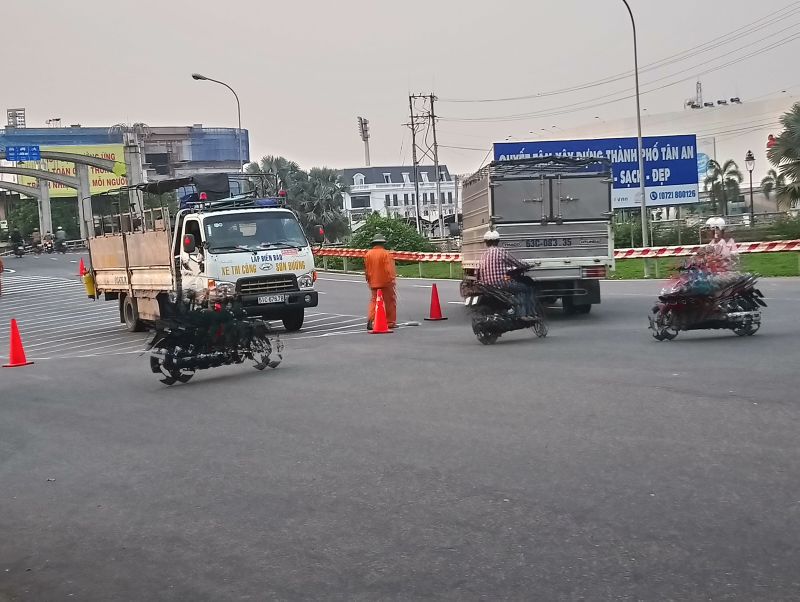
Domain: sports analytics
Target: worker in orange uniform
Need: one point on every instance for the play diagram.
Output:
(381, 276)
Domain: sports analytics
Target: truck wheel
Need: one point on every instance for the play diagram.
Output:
(130, 315)
(294, 321)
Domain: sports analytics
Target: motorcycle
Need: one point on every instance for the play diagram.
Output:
(47, 246)
(202, 335)
(19, 249)
(729, 302)
(495, 309)
(60, 247)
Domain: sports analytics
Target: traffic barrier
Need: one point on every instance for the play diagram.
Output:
(685, 250)
(648, 252)
(436, 308)
(380, 326)
(16, 353)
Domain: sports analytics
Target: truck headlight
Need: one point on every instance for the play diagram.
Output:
(226, 289)
(306, 281)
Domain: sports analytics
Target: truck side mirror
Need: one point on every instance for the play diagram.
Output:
(189, 244)
(318, 234)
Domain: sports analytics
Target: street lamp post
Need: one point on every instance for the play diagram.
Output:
(645, 237)
(198, 77)
(750, 163)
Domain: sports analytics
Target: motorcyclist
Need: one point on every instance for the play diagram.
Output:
(16, 237)
(36, 237)
(722, 245)
(61, 237)
(493, 271)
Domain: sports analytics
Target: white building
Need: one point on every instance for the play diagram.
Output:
(390, 191)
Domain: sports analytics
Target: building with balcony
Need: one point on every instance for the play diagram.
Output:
(391, 191)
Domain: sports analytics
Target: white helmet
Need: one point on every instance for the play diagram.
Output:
(59, 228)
(715, 222)
(491, 235)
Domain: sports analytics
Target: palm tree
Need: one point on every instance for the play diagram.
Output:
(323, 202)
(785, 155)
(722, 183)
(286, 174)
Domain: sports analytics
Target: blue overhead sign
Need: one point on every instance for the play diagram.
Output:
(670, 165)
(23, 153)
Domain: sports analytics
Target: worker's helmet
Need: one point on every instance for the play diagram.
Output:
(715, 222)
(59, 228)
(491, 235)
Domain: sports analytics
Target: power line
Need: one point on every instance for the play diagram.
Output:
(582, 105)
(715, 43)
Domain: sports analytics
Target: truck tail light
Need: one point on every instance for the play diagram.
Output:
(594, 272)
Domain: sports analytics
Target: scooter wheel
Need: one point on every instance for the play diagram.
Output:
(487, 338)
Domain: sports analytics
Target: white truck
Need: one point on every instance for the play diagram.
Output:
(253, 249)
(554, 214)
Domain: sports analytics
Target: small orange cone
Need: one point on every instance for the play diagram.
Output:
(16, 354)
(81, 268)
(380, 326)
(436, 309)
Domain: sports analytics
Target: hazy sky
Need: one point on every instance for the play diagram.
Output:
(305, 70)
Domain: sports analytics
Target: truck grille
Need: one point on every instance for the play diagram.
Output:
(267, 284)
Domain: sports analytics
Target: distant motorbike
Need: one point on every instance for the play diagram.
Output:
(200, 336)
(494, 310)
(60, 247)
(19, 249)
(734, 305)
(48, 247)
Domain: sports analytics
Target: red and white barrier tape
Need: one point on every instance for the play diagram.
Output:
(679, 251)
(683, 251)
(397, 255)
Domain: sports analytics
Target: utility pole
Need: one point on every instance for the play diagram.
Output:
(425, 115)
(436, 169)
(363, 131)
(413, 126)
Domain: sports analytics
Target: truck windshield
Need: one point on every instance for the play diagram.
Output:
(253, 231)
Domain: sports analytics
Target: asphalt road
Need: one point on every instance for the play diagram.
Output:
(595, 464)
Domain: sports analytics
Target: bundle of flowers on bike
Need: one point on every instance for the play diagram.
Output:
(710, 270)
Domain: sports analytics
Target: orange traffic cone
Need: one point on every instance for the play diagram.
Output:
(16, 354)
(81, 268)
(380, 326)
(436, 309)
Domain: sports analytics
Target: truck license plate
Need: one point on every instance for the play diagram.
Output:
(543, 243)
(271, 299)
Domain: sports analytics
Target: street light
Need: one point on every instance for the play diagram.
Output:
(198, 77)
(645, 237)
(750, 163)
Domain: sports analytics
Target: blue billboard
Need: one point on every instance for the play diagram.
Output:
(670, 165)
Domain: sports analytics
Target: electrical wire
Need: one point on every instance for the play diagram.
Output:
(714, 43)
(582, 105)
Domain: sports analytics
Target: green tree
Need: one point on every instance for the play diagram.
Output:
(322, 202)
(785, 155)
(317, 197)
(399, 235)
(24, 216)
(722, 183)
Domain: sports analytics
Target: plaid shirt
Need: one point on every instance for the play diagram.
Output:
(495, 263)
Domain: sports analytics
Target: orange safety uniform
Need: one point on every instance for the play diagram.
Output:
(381, 275)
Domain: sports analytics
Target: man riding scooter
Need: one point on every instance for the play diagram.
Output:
(61, 238)
(493, 271)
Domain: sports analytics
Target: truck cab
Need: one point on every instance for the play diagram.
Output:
(260, 255)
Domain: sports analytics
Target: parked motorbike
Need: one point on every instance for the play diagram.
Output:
(495, 309)
(734, 303)
(206, 334)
